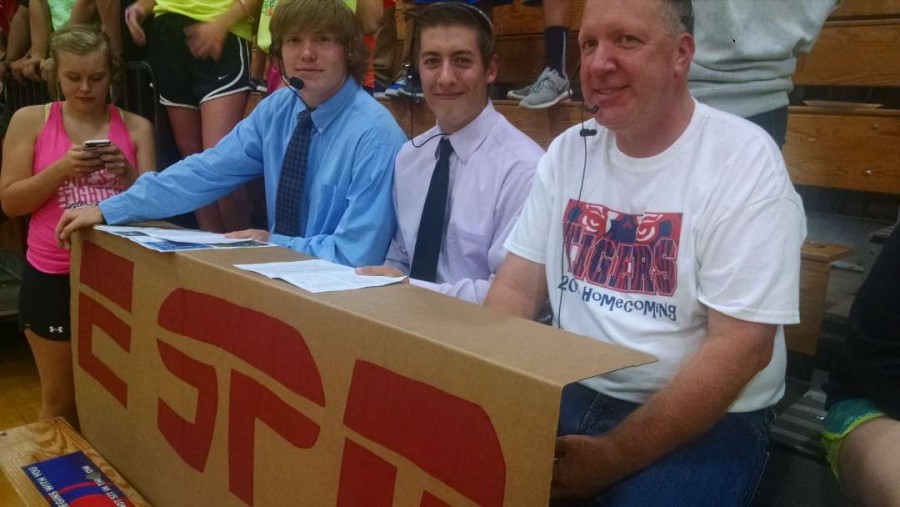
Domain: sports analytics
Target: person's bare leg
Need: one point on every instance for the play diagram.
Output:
(557, 17)
(869, 462)
(218, 117)
(557, 12)
(189, 140)
(54, 364)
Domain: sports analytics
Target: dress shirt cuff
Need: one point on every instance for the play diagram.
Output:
(280, 240)
(113, 210)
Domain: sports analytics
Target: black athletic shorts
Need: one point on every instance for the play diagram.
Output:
(185, 81)
(44, 304)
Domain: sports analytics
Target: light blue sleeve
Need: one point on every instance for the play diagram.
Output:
(362, 236)
(195, 181)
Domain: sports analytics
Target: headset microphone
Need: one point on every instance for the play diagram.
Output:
(586, 132)
(296, 84)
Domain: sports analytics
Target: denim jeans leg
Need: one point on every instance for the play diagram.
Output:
(721, 468)
(774, 122)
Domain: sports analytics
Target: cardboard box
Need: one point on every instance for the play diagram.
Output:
(206, 385)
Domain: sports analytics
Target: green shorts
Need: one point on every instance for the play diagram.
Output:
(843, 417)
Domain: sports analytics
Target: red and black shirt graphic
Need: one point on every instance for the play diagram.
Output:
(622, 252)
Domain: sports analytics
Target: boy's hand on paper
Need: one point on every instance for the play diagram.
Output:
(382, 271)
(75, 219)
(254, 234)
(581, 468)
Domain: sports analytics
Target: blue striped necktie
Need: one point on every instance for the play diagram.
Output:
(289, 197)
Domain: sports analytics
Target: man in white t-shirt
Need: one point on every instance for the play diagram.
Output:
(669, 227)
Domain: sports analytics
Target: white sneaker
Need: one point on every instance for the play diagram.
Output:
(549, 89)
(520, 93)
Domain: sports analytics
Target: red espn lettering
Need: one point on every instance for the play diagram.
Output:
(190, 440)
(91, 313)
(429, 500)
(267, 344)
(435, 430)
(264, 342)
(108, 274)
(367, 480)
(112, 277)
(250, 401)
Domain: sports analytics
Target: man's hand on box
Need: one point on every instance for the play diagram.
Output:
(254, 234)
(75, 219)
(581, 468)
(382, 271)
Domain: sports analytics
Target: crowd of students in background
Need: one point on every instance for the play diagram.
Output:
(341, 181)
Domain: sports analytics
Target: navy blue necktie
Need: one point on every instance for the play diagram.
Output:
(431, 226)
(293, 175)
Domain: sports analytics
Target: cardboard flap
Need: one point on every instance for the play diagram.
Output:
(554, 356)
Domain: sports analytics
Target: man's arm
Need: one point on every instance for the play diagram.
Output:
(197, 180)
(109, 11)
(696, 398)
(19, 35)
(40, 27)
(83, 12)
(520, 288)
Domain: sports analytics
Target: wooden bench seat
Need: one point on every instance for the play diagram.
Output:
(861, 52)
(853, 149)
(25, 445)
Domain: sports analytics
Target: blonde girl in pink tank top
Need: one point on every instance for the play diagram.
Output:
(46, 170)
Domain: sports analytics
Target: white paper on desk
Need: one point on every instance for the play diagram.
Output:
(189, 236)
(177, 240)
(318, 276)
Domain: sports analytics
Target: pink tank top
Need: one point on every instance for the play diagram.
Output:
(51, 145)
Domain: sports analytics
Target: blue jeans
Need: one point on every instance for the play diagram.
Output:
(721, 468)
(774, 122)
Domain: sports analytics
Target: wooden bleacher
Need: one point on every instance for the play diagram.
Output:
(848, 148)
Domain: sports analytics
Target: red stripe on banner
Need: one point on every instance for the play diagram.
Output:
(70, 487)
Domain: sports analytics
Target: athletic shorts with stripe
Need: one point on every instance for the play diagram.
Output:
(186, 81)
